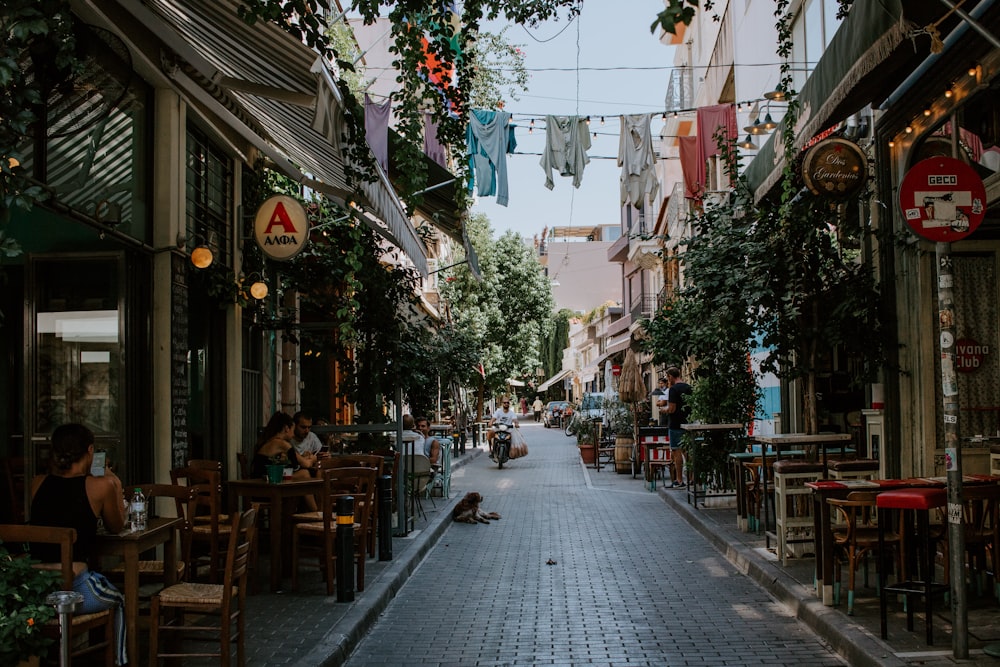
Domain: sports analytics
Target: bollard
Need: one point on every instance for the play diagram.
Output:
(385, 517)
(345, 549)
(65, 603)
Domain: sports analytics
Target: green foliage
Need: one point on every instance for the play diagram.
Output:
(500, 74)
(621, 418)
(584, 429)
(23, 610)
(554, 343)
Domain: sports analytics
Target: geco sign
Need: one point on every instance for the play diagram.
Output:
(281, 228)
(943, 199)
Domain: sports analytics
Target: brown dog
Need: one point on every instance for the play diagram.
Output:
(467, 510)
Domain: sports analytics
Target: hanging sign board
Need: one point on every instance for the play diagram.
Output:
(835, 168)
(943, 199)
(281, 228)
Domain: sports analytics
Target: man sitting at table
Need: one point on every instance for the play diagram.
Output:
(70, 497)
(432, 445)
(275, 448)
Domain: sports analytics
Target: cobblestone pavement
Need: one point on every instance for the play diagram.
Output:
(631, 583)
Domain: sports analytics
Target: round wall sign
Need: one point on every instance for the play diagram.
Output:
(943, 199)
(281, 228)
(834, 168)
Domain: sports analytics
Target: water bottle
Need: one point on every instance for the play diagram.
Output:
(137, 511)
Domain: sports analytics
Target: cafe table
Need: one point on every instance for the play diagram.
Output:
(128, 545)
(708, 432)
(824, 489)
(277, 495)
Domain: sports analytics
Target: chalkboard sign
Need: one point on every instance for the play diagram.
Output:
(178, 362)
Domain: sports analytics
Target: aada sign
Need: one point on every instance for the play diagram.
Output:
(943, 199)
(281, 228)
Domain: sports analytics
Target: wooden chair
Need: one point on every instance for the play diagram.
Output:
(228, 600)
(80, 624)
(982, 535)
(360, 461)
(854, 537)
(182, 496)
(207, 526)
(13, 472)
(337, 482)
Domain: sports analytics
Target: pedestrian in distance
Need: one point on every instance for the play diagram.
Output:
(537, 408)
(677, 416)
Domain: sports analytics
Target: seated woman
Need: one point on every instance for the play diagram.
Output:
(70, 497)
(275, 446)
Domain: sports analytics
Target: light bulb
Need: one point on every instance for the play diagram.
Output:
(202, 257)
(258, 290)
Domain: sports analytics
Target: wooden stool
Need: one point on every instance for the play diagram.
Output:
(914, 531)
(856, 469)
(793, 507)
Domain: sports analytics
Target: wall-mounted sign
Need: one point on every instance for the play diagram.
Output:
(943, 199)
(281, 228)
(969, 355)
(616, 370)
(834, 168)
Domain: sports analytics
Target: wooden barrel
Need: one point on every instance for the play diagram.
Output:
(623, 454)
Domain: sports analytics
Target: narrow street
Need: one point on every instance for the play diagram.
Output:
(632, 584)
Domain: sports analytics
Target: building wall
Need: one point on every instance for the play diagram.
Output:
(586, 278)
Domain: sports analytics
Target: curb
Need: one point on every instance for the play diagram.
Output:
(337, 645)
(851, 641)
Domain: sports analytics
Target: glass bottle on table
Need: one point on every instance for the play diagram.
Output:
(137, 511)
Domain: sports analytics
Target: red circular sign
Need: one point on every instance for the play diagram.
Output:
(616, 370)
(969, 355)
(943, 199)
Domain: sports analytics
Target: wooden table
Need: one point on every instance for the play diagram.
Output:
(706, 430)
(276, 495)
(822, 526)
(128, 546)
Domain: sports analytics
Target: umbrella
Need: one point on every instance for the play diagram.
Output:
(631, 388)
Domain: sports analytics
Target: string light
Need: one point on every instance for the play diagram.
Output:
(927, 112)
(948, 93)
(602, 120)
(909, 129)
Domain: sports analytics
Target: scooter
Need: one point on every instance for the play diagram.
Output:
(501, 444)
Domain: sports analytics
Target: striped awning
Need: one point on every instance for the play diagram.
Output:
(558, 377)
(274, 92)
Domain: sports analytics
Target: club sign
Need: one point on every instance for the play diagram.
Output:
(281, 228)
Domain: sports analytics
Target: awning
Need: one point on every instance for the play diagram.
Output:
(869, 56)
(514, 383)
(615, 348)
(558, 377)
(588, 374)
(269, 87)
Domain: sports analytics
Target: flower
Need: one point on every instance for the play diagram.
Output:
(31, 622)
(23, 609)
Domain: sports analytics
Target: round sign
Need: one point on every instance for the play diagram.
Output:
(969, 355)
(943, 199)
(616, 370)
(281, 228)
(834, 168)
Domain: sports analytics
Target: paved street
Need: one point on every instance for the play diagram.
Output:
(632, 583)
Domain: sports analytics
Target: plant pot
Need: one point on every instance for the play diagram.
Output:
(587, 453)
(275, 473)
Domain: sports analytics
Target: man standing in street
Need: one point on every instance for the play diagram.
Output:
(536, 407)
(677, 416)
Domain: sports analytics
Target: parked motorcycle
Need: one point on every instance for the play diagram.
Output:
(501, 444)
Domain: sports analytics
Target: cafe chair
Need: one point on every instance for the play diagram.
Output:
(319, 538)
(207, 464)
(982, 535)
(80, 625)
(13, 474)
(151, 571)
(855, 536)
(360, 461)
(208, 529)
(227, 600)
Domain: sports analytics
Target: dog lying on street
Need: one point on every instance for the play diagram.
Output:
(467, 510)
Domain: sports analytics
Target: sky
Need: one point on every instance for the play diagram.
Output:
(611, 34)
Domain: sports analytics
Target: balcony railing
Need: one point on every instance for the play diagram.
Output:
(643, 306)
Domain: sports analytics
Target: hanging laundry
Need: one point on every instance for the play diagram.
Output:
(490, 136)
(637, 160)
(567, 141)
(377, 130)
(710, 121)
(694, 178)
(433, 148)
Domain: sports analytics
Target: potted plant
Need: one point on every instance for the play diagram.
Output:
(586, 432)
(23, 610)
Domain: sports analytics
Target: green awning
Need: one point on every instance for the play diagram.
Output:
(868, 57)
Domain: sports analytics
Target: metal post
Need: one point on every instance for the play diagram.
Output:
(952, 454)
(385, 517)
(345, 549)
(65, 603)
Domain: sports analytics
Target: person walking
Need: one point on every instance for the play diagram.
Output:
(677, 416)
(537, 407)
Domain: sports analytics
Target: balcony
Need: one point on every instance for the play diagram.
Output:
(643, 307)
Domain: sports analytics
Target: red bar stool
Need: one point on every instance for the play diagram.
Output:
(914, 531)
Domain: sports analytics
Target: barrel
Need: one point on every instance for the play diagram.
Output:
(623, 454)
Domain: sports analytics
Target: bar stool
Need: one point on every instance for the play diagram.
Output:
(915, 506)
(793, 508)
(856, 469)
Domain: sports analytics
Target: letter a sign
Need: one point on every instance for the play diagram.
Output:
(281, 228)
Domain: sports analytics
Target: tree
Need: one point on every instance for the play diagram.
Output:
(509, 311)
